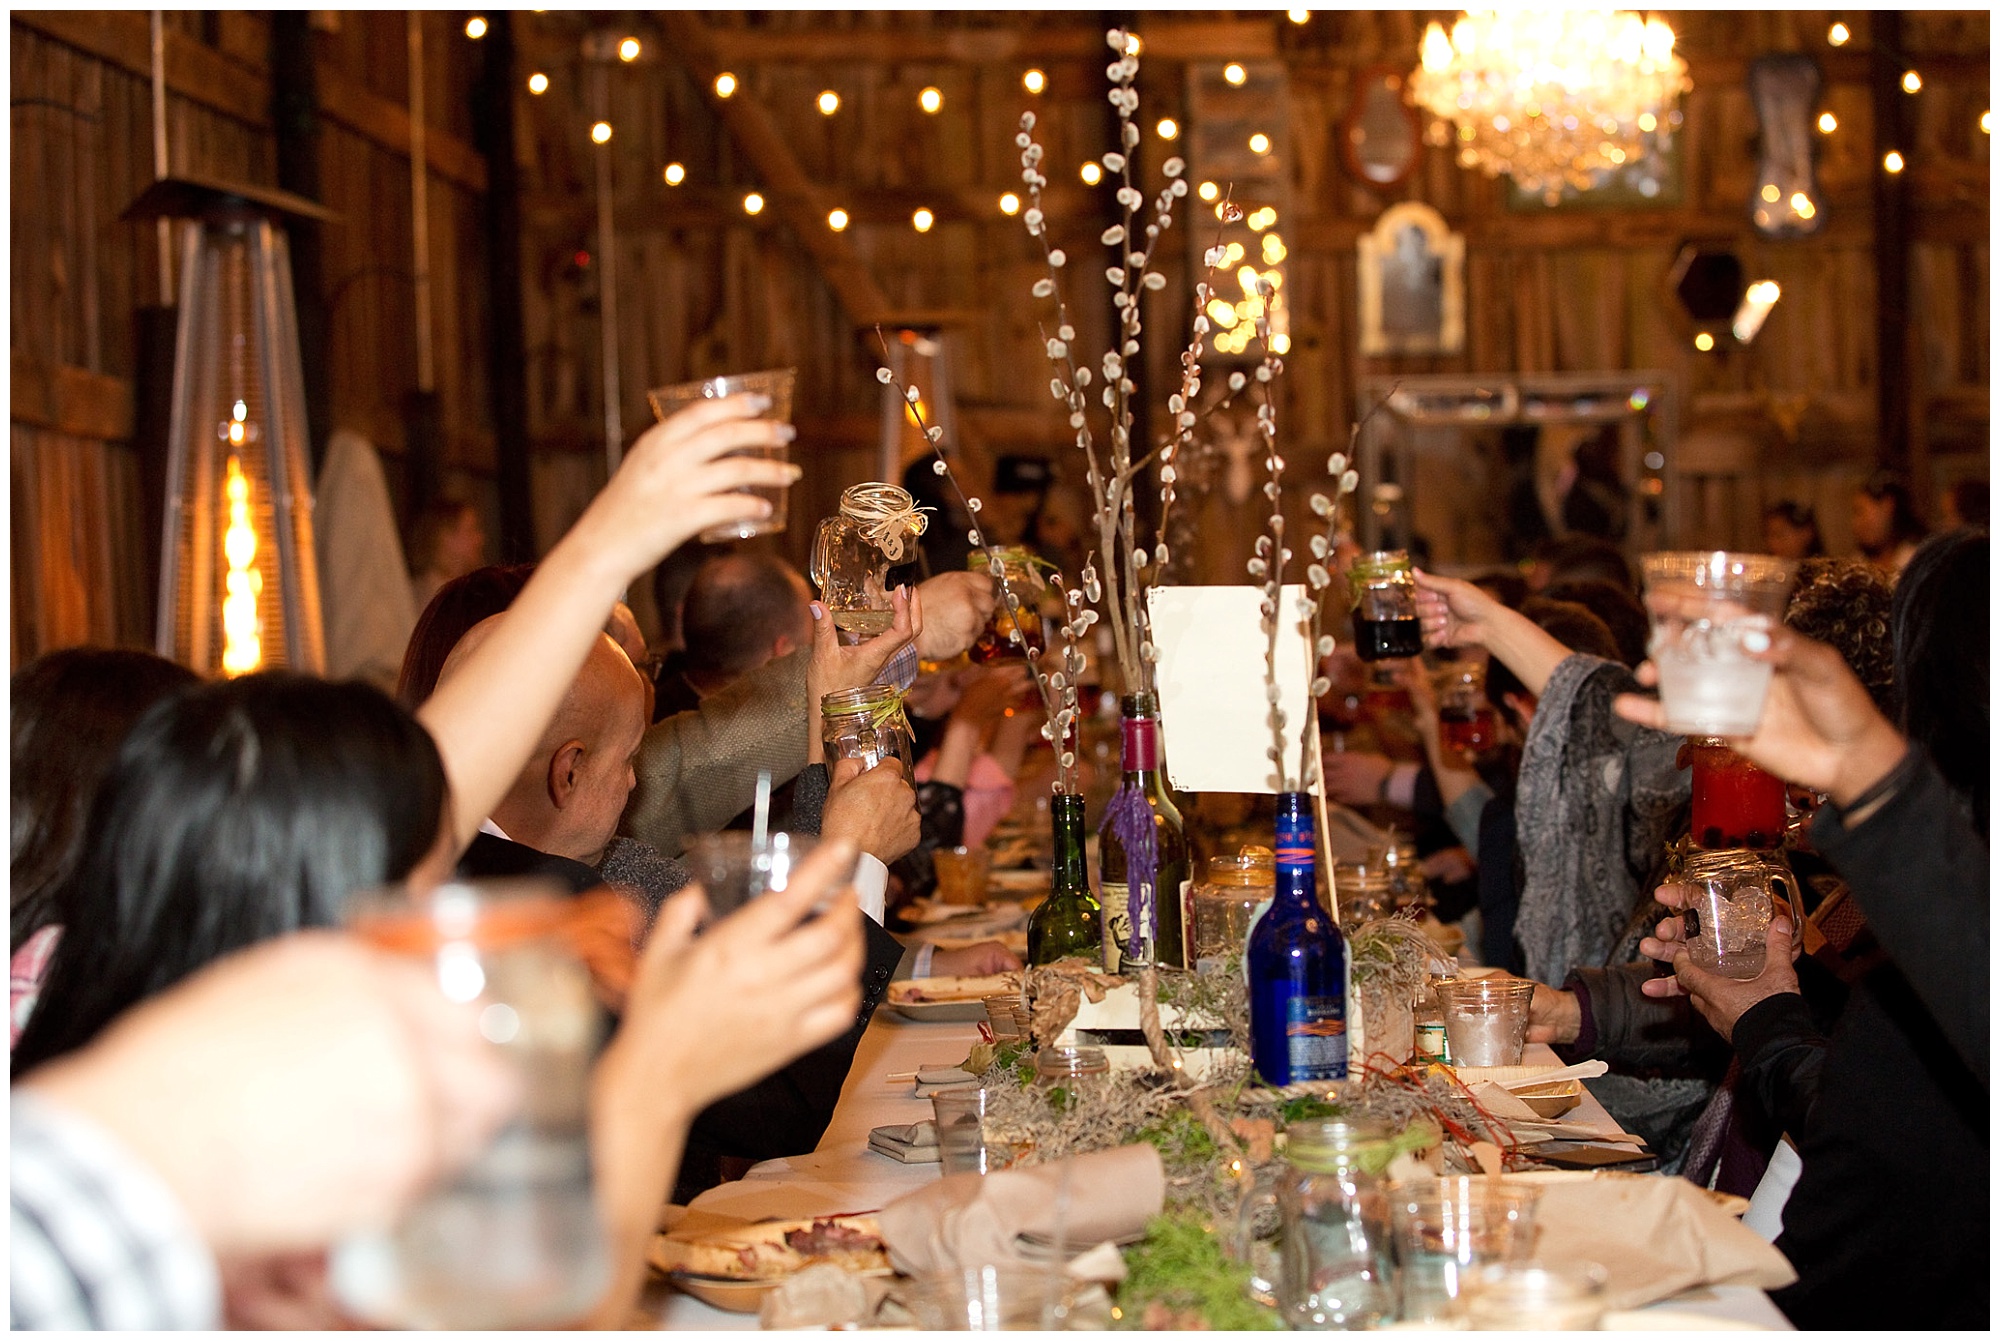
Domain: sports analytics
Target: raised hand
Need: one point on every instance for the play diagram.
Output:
(1453, 613)
(1819, 730)
(874, 808)
(1720, 1000)
(960, 604)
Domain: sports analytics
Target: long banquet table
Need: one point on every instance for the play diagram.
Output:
(843, 1175)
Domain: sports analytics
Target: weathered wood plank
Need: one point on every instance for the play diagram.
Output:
(75, 401)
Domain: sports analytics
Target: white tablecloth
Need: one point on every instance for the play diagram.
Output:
(843, 1175)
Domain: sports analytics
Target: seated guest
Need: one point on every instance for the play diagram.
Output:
(742, 611)
(1901, 1090)
(70, 710)
(1884, 518)
(447, 540)
(1578, 558)
(1791, 530)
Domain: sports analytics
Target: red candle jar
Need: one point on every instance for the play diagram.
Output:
(1736, 803)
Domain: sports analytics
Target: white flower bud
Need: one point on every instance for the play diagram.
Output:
(1325, 645)
(1318, 543)
(1320, 506)
(1154, 280)
(1173, 167)
(939, 468)
(1350, 481)
(1201, 325)
(1336, 464)
(1057, 349)
(1114, 162)
(1082, 374)
(1212, 258)
(1076, 419)
(884, 376)
(911, 396)
(1056, 258)
(1027, 121)
(1043, 287)
(1113, 235)
(1263, 372)
(1130, 198)
(1318, 577)
(1236, 382)
(1178, 189)
(934, 433)
(1258, 568)
(1114, 275)
(1131, 132)
(1167, 475)
(973, 536)
(1174, 402)
(1321, 686)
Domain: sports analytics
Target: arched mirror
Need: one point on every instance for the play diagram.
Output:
(1380, 139)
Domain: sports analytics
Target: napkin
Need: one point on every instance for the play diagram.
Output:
(1654, 1237)
(915, 1143)
(967, 1220)
(931, 1079)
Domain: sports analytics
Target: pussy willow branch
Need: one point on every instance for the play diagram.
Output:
(1051, 695)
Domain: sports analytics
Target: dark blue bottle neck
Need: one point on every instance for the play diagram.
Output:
(1295, 850)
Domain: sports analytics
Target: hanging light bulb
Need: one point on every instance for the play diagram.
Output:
(1010, 203)
(1838, 34)
(538, 83)
(922, 220)
(475, 27)
(1168, 128)
(628, 50)
(829, 102)
(1034, 81)
(1704, 342)
(931, 100)
(675, 174)
(1892, 162)
(1828, 123)
(837, 220)
(753, 203)
(725, 84)
(1091, 173)
(1912, 82)
(1235, 74)
(1208, 191)
(601, 133)
(1260, 143)
(1299, 16)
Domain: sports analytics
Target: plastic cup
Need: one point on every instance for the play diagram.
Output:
(514, 1240)
(1709, 683)
(1486, 1019)
(733, 871)
(961, 1128)
(1447, 1229)
(775, 383)
(991, 1299)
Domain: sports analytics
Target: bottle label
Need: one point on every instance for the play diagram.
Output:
(1113, 900)
(1316, 1037)
(1431, 1046)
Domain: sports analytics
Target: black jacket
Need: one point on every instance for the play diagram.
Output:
(1888, 1225)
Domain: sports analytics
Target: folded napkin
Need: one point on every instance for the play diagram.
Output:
(931, 1079)
(916, 1143)
(1654, 1236)
(966, 1220)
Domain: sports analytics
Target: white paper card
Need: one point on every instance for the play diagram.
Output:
(1211, 682)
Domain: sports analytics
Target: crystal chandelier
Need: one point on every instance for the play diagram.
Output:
(1553, 98)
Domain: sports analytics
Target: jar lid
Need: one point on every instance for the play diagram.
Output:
(1065, 1060)
(876, 699)
(1324, 1145)
(1382, 565)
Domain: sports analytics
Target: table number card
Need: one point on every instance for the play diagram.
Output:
(1211, 683)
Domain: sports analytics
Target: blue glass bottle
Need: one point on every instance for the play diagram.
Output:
(1296, 963)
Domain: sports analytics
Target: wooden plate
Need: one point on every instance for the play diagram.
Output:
(731, 1296)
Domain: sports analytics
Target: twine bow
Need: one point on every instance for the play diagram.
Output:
(889, 518)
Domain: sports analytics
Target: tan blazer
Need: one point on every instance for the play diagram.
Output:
(698, 770)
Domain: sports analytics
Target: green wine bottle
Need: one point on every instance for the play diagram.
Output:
(1065, 926)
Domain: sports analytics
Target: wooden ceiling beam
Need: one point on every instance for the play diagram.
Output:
(1163, 39)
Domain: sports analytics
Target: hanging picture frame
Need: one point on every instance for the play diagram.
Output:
(1411, 269)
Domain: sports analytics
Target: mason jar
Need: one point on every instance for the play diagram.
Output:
(1385, 606)
(1334, 1264)
(866, 724)
(1731, 897)
(1226, 901)
(1026, 584)
(853, 550)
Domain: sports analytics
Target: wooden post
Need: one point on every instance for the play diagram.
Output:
(506, 350)
(1895, 369)
(295, 119)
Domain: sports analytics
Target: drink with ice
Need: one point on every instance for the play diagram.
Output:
(1486, 1019)
(1725, 606)
(1731, 897)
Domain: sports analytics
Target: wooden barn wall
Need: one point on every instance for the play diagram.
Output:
(705, 288)
(82, 150)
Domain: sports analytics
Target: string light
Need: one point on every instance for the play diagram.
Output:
(475, 27)
(1208, 191)
(1168, 128)
(1912, 81)
(1091, 173)
(753, 203)
(1034, 81)
(1828, 123)
(725, 84)
(930, 100)
(829, 103)
(1235, 73)
(601, 133)
(675, 174)
(1260, 143)
(1010, 203)
(837, 220)
(628, 50)
(1986, 122)
(922, 220)
(1892, 162)
(1704, 342)
(538, 83)
(1133, 46)
(1770, 193)
(1838, 34)
(1298, 15)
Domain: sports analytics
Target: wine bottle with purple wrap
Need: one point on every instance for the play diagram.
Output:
(1143, 854)
(1296, 964)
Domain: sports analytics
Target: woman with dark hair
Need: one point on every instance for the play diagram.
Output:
(235, 812)
(70, 711)
(453, 610)
(1791, 531)
(1886, 525)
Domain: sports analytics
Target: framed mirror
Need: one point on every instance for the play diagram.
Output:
(1382, 134)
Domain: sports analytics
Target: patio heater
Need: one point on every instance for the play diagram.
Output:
(239, 589)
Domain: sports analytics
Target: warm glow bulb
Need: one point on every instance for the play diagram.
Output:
(930, 100)
(675, 174)
(1034, 81)
(725, 84)
(1770, 193)
(628, 50)
(1892, 162)
(1010, 203)
(836, 220)
(1260, 143)
(1838, 34)
(1235, 73)
(829, 103)
(1436, 49)
(1986, 122)
(1828, 123)
(1168, 128)
(538, 83)
(1133, 46)
(601, 133)
(1298, 15)
(1912, 81)
(922, 220)
(1091, 173)
(475, 27)
(1208, 191)
(1802, 205)
(1704, 342)
(753, 203)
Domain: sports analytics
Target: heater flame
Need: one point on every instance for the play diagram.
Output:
(242, 630)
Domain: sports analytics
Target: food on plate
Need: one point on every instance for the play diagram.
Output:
(915, 991)
(775, 1249)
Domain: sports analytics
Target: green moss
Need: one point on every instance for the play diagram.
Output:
(1181, 1264)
